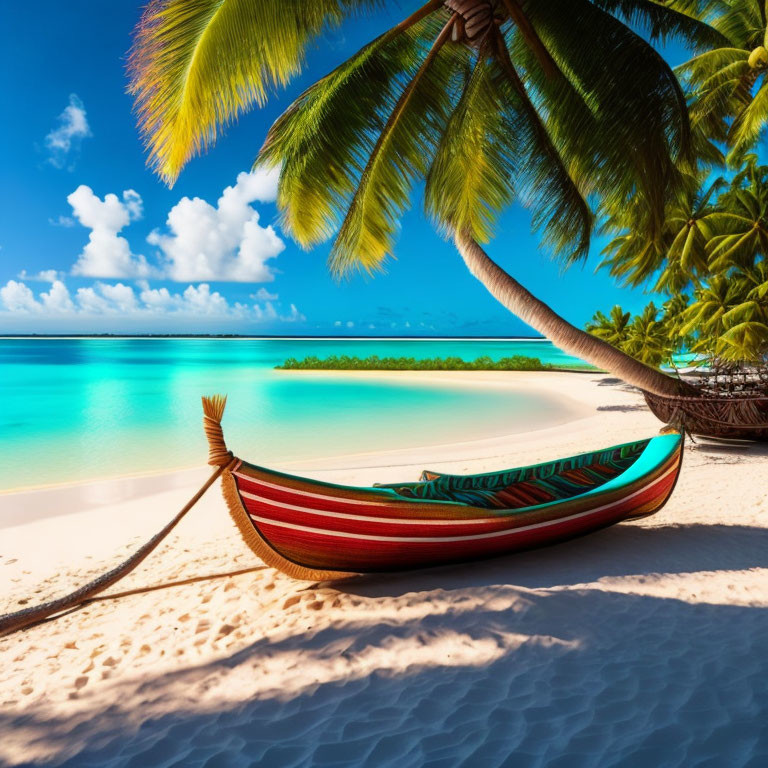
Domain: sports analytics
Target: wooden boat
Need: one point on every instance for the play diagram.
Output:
(316, 530)
(732, 418)
(319, 531)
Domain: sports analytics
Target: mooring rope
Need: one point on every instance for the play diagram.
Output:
(149, 588)
(219, 456)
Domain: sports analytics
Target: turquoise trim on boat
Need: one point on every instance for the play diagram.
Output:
(658, 450)
(654, 454)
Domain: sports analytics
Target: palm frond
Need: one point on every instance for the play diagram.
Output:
(749, 124)
(400, 154)
(470, 180)
(324, 137)
(664, 21)
(559, 209)
(640, 130)
(196, 64)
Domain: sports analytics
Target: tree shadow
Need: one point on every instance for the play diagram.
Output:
(745, 448)
(607, 381)
(622, 550)
(575, 678)
(623, 408)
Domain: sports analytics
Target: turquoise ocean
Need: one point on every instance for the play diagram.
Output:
(75, 409)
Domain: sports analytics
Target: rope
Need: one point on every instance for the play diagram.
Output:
(151, 588)
(213, 410)
(12, 622)
(218, 456)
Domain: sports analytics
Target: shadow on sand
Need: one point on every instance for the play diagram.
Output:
(556, 677)
(622, 550)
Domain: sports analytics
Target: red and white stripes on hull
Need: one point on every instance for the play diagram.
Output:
(321, 527)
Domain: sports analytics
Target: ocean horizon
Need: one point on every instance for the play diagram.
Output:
(77, 408)
(265, 337)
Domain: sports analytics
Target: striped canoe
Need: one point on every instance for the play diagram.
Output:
(316, 530)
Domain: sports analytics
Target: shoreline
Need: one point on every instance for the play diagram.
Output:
(623, 640)
(448, 379)
(284, 338)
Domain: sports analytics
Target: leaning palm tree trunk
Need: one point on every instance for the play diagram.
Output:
(567, 337)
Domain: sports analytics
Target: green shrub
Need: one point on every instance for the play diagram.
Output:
(376, 363)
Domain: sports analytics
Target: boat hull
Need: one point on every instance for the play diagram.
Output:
(319, 531)
(718, 417)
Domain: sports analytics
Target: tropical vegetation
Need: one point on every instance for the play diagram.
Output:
(560, 105)
(728, 85)
(376, 363)
(713, 269)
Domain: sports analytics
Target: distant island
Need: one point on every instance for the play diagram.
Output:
(376, 363)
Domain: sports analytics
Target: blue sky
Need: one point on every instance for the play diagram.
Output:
(87, 245)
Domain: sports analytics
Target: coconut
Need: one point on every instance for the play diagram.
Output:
(758, 58)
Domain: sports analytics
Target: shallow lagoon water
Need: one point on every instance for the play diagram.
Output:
(77, 409)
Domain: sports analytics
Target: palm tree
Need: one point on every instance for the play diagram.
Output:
(679, 255)
(715, 242)
(559, 105)
(648, 338)
(613, 328)
(728, 84)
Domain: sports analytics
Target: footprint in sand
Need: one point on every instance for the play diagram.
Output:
(225, 629)
(202, 626)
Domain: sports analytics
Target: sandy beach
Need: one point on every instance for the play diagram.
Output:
(643, 645)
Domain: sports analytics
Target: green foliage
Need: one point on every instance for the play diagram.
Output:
(196, 64)
(728, 85)
(613, 328)
(530, 111)
(376, 363)
(646, 337)
(715, 247)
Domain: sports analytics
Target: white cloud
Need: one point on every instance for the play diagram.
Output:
(17, 297)
(57, 300)
(225, 242)
(62, 221)
(91, 302)
(196, 304)
(201, 243)
(107, 254)
(294, 316)
(43, 276)
(264, 295)
(119, 296)
(65, 139)
(133, 204)
(269, 313)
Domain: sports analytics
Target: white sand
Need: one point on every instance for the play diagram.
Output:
(643, 645)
